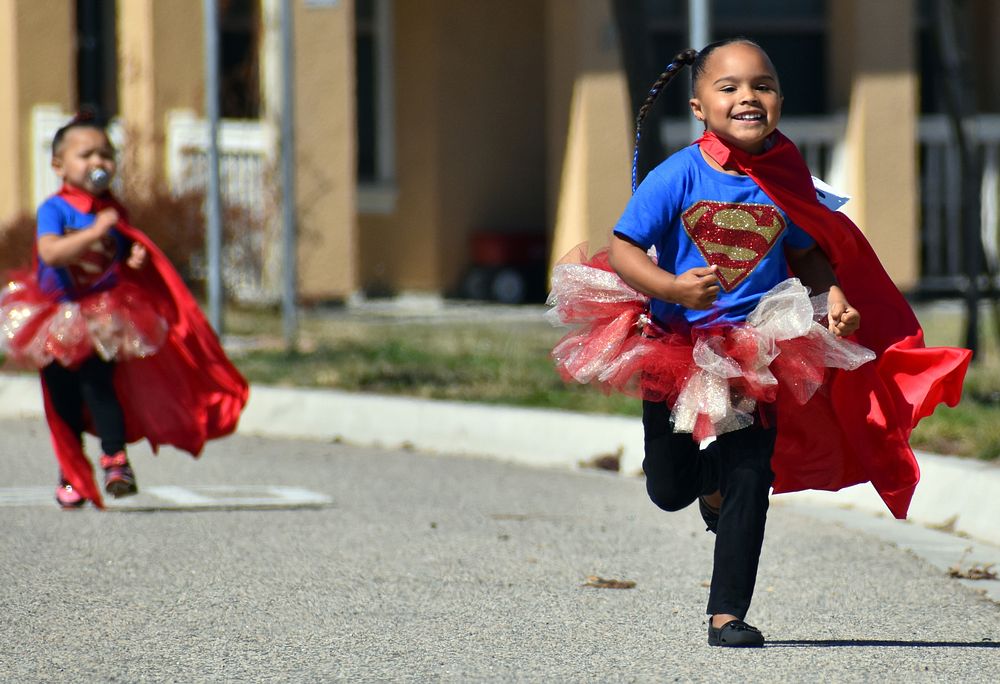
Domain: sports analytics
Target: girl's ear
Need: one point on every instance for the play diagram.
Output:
(695, 104)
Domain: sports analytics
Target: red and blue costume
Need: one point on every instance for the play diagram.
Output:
(174, 382)
(857, 428)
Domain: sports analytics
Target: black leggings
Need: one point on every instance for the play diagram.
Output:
(89, 385)
(738, 464)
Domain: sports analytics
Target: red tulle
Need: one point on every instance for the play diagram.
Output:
(713, 378)
(184, 394)
(861, 434)
(116, 324)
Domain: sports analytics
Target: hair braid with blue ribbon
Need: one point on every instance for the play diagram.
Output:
(680, 60)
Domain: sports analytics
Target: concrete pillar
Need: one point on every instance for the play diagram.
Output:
(326, 179)
(33, 71)
(160, 67)
(589, 124)
(877, 48)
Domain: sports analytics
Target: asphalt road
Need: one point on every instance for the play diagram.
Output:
(373, 565)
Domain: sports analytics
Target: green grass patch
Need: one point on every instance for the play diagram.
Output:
(507, 362)
(497, 363)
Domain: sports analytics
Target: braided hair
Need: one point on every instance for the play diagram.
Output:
(697, 61)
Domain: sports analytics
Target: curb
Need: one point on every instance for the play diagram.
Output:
(955, 495)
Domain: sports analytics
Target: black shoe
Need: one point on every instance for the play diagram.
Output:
(735, 633)
(709, 515)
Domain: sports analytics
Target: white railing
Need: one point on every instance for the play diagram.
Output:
(942, 265)
(246, 153)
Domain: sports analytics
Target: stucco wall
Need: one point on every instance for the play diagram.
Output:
(32, 71)
(588, 125)
(324, 148)
(470, 138)
(161, 67)
(399, 248)
(881, 144)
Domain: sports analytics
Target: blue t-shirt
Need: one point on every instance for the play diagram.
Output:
(697, 216)
(95, 269)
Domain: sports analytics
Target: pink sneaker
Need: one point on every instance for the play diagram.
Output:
(67, 497)
(119, 480)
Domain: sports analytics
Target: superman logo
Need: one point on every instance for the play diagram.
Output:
(734, 237)
(93, 263)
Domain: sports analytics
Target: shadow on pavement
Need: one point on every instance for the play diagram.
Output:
(826, 643)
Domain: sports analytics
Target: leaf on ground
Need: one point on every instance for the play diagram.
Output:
(607, 583)
(973, 572)
(608, 461)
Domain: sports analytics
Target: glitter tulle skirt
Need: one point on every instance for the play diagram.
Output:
(117, 324)
(713, 378)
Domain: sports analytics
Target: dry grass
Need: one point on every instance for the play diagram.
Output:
(505, 361)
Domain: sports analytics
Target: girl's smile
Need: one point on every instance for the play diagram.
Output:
(738, 96)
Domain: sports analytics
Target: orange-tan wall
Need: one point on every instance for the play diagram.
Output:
(399, 249)
(493, 123)
(876, 45)
(36, 66)
(470, 135)
(588, 124)
(325, 151)
(161, 67)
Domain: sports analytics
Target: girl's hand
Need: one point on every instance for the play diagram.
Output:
(137, 256)
(696, 288)
(844, 319)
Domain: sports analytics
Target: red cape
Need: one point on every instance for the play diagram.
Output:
(185, 394)
(858, 431)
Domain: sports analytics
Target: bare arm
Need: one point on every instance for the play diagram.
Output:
(813, 268)
(62, 250)
(694, 289)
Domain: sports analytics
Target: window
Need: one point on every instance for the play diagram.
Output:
(96, 58)
(792, 33)
(375, 115)
(239, 81)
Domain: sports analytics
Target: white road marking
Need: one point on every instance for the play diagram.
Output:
(180, 497)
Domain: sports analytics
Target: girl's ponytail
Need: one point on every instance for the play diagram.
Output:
(681, 59)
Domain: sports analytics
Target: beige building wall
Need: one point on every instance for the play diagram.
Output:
(36, 66)
(470, 139)
(588, 125)
(874, 44)
(325, 151)
(399, 248)
(161, 67)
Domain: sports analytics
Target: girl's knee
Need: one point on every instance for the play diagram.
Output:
(749, 479)
(667, 497)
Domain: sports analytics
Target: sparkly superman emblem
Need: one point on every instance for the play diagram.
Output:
(93, 263)
(734, 237)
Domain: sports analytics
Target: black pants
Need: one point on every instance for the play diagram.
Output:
(89, 385)
(739, 465)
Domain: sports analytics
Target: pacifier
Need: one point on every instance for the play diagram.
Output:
(99, 178)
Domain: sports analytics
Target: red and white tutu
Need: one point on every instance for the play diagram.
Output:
(117, 324)
(712, 377)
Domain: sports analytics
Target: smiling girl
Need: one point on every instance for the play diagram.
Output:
(735, 334)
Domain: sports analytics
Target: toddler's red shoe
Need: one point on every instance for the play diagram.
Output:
(67, 497)
(119, 480)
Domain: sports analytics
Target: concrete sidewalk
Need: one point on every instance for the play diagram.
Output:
(957, 495)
